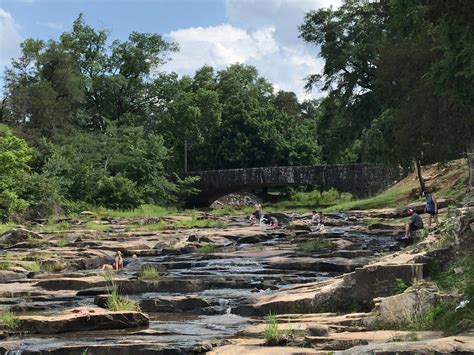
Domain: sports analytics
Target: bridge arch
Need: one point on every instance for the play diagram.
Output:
(361, 180)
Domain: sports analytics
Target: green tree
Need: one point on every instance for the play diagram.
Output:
(14, 157)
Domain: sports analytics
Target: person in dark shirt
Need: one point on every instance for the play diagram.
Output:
(414, 223)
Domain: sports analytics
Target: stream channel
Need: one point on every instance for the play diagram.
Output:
(213, 284)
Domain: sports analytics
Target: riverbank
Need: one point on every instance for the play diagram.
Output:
(210, 283)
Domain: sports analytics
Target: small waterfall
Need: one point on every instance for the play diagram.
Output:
(14, 352)
(224, 305)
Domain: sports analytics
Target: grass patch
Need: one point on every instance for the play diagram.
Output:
(304, 200)
(226, 211)
(156, 226)
(142, 211)
(33, 266)
(6, 227)
(317, 245)
(9, 321)
(199, 223)
(5, 265)
(150, 273)
(96, 226)
(55, 226)
(115, 302)
(206, 249)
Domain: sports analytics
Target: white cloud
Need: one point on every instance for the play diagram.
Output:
(10, 39)
(52, 25)
(220, 46)
(263, 33)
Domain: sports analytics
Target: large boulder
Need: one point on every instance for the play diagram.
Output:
(401, 308)
(82, 319)
(18, 235)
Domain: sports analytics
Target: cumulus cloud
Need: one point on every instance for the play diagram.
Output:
(10, 39)
(52, 25)
(263, 33)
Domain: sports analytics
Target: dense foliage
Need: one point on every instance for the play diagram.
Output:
(399, 77)
(88, 121)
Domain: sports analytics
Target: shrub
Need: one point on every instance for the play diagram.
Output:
(317, 245)
(150, 273)
(118, 192)
(400, 286)
(206, 249)
(9, 321)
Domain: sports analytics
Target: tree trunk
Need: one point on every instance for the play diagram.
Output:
(470, 164)
(185, 155)
(420, 178)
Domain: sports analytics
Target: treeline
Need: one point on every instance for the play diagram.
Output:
(86, 120)
(400, 79)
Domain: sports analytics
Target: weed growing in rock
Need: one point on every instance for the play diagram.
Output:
(317, 245)
(206, 249)
(412, 336)
(96, 226)
(62, 243)
(115, 302)
(447, 235)
(33, 266)
(150, 273)
(399, 286)
(272, 333)
(9, 321)
(5, 265)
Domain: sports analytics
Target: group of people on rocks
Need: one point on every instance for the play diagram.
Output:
(415, 222)
(258, 217)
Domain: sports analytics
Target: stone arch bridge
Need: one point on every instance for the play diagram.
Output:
(361, 180)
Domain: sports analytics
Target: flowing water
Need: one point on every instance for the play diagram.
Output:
(232, 279)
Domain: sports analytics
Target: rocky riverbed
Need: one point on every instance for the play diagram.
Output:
(215, 286)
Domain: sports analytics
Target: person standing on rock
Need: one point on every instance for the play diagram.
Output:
(431, 208)
(258, 211)
(414, 223)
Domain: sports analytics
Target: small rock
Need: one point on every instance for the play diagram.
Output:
(318, 330)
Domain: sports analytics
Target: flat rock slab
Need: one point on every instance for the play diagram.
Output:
(82, 319)
(459, 344)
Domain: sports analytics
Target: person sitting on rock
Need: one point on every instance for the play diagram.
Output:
(117, 264)
(414, 223)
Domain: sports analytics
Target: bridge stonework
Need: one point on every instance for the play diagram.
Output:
(361, 180)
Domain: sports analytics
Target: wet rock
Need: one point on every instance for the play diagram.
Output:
(129, 286)
(299, 225)
(382, 226)
(181, 285)
(175, 304)
(82, 319)
(18, 235)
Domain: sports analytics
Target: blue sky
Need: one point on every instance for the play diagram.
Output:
(262, 33)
